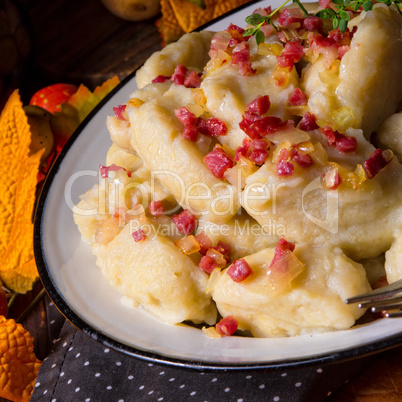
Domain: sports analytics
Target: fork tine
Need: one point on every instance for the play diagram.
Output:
(382, 303)
(393, 314)
(390, 306)
(380, 293)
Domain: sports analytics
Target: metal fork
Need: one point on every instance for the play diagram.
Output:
(387, 299)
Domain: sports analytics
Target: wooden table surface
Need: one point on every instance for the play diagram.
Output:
(81, 42)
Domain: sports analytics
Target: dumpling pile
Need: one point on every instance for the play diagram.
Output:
(251, 187)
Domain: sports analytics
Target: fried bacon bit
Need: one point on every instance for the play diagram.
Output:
(227, 326)
(118, 111)
(256, 150)
(213, 127)
(342, 142)
(204, 241)
(281, 249)
(208, 264)
(283, 166)
(290, 16)
(261, 127)
(332, 179)
(298, 98)
(183, 76)
(376, 162)
(303, 160)
(291, 54)
(156, 208)
(241, 57)
(236, 34)
(185, 222)
(218, 162)
(104, 170)
(139, 235)
(161, 78)
(259, 106)
(313, 23)
(308, 122)
(239, 270)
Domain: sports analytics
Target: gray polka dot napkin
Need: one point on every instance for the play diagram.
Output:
(80, 369)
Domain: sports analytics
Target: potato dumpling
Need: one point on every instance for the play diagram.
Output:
(314, 303)
(157, 275)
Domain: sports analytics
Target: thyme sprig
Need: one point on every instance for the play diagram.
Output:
(340, 15)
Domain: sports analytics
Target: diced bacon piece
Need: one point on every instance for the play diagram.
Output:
(192, 80)
(260, 105)
(216, 127)
(185, 222)
(324, 3)
(219, 42)
(304, 161)
(156, 208)
(308, 122)
(190, 133)
(242, 151)
(290, 16)
(139, 235)
(313, 23)
(343, 39)
(262, 127)
(267, 30)
(291, 54)
(161, 78)
(118, 111)
(218, 162)
(264, 11)
(179, 74)
(260, 144)
(342, 142)
(236, 33)
(204, 241)
(245, 68)
(376, 162)
(298, 98)
(185, 116)
(330, 135)
(258, 156)
(239, 270)
(332, 179)
(104, 170)
(227, 326)
(208, 264)
(346, 144)
(285, 168)
(241, 53)
(281, 248)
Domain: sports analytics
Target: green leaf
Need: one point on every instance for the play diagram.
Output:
(347, 2)
(338, 2)
(250, 32)
(343, 25)
(367, 5)
(357, 6)
(199, 3)
(255, 19)
(344, 15)
(335, 23)
(326, 14)
(259, 37)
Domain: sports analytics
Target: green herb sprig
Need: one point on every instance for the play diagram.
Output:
(258, 21)
(339, 15)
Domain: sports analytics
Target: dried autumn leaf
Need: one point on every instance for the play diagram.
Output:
(17, 198)
(185, 15)
(18, 364)
(84, 100)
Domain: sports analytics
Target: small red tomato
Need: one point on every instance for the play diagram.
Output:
(51, 97)
(3, 303)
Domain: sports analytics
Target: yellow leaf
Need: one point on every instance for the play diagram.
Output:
(17, 198)
(18, 364)
(84, 100)
(182, 16)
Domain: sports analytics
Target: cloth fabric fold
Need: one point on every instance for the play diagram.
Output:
(81, 369)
